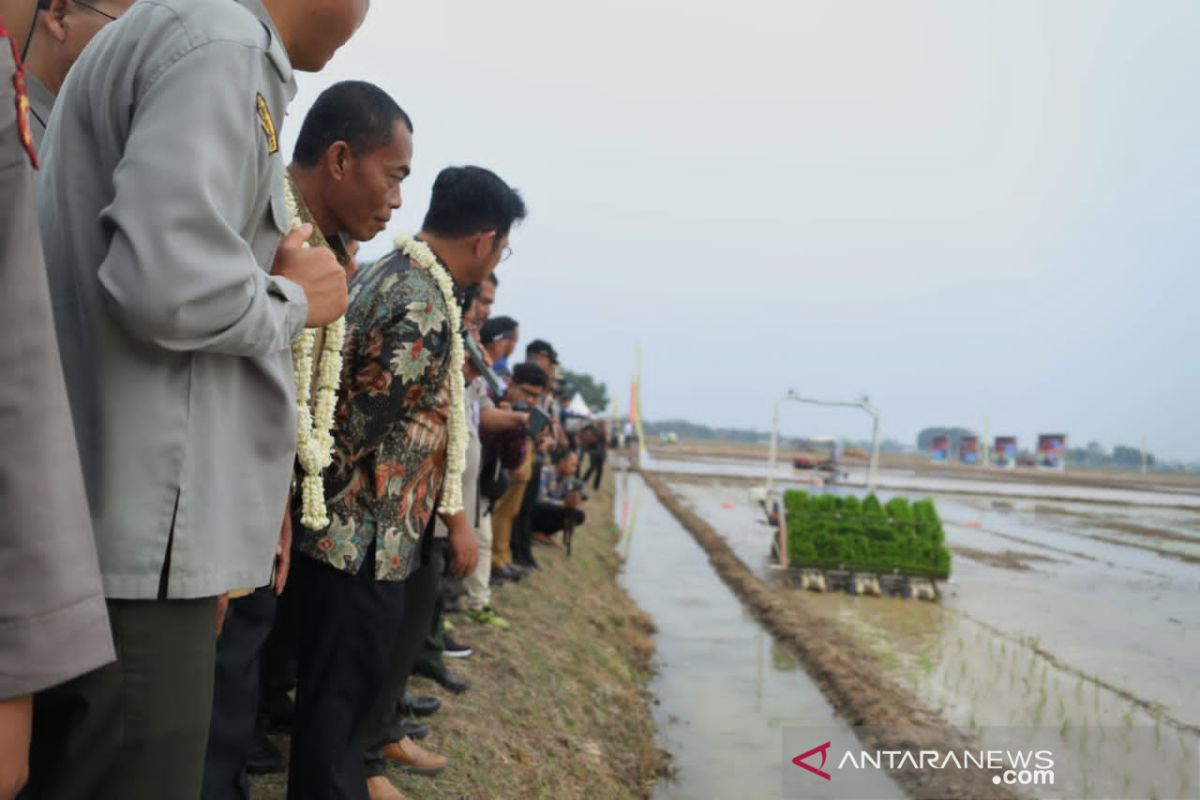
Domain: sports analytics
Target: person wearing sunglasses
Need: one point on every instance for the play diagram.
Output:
(60, 31)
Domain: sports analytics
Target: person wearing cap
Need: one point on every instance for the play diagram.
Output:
(499, 336)
(61, 29)
(542, 353)
(177, 296)
(53, 621)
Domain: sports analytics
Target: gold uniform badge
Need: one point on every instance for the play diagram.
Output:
(268, 125)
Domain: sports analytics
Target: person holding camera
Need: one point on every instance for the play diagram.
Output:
(559, 498)
(507, 460)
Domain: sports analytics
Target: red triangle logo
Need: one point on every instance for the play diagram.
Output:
(824, 751)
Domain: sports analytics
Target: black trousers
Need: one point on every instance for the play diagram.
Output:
(278, 664)
(136, 728)
(347, 632)
(235, 695)
(595, 468)
(385, 722)
(552, 519)
(441, 557)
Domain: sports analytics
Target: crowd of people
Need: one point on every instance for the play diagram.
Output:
(248, 482)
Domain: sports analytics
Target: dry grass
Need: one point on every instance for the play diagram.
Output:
(558, 706)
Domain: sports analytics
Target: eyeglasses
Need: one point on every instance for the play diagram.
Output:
(91, 7)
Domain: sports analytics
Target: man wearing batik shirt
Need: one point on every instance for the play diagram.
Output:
(390, 455)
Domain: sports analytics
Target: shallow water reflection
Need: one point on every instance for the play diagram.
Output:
(724, 690)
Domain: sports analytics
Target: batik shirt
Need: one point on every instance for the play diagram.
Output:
(555, 489)
(391, 425)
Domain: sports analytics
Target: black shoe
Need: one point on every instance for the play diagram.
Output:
(442, 677)
(498, 578)
(277, 713)
(512, 573)
(421, 706)
(264, 757)
(452, 649)
(517, 571)
(528, 562)
(415, 730)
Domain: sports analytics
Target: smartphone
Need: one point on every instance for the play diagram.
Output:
(538, 420)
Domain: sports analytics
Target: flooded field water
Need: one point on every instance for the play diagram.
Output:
(1058, 615)
(723, 690)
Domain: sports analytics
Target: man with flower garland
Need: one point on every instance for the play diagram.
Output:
(400, 446)
(353, 152)
(176, 302)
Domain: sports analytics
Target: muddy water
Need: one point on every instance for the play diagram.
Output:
(1075, 633)
(723, 691)
(908, 481)
(1105, 607)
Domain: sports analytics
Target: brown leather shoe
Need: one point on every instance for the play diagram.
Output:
(380, 788)
(411, 757)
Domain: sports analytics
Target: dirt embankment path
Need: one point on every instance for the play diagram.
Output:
(559, 705)
(849, 675)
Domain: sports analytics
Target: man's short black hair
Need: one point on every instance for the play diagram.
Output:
(469, 200)
(561, 453)
(355, 112)
(530, 375)
(540, 347)
(497, 328)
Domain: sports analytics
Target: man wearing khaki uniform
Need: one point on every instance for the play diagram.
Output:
(161, 211)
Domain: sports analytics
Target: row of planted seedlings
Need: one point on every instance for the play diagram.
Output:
(842, 539)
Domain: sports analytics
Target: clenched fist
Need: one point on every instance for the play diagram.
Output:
(317, 272)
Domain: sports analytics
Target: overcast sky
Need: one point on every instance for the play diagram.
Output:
(963, 209)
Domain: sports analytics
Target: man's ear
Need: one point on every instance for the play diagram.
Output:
(485, 243)
(51, 19)
(337, 160)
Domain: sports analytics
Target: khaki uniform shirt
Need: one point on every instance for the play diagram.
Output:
(161, 208)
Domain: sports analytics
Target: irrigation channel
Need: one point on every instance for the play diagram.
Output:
(724, 689)
(1074, 623)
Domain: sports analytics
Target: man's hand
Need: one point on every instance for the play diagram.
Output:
(283, 550)
(574, 500)
(16, 725)
(317, 272)
(463, 545)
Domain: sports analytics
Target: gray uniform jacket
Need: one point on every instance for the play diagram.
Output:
(53, 623)
(41, 103)
(161, 206)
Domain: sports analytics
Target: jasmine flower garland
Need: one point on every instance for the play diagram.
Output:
(456, 449)
(314, 428)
